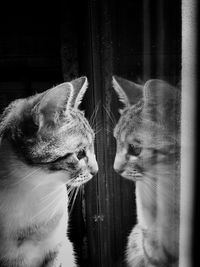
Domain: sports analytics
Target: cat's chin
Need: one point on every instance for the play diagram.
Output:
(80, 180)
(135, 177)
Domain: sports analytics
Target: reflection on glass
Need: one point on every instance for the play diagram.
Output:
(148, 153)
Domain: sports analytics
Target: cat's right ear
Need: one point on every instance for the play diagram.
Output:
(129, 93)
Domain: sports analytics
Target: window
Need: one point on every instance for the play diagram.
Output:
(42, 46)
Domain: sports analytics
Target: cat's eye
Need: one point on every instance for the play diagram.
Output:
(154, 152)
(62, 158)
(81, 154)
(134, 150)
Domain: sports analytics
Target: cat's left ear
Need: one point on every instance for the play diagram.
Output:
(79, 87)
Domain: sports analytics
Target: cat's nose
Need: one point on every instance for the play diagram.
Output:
(93, 172)
(92, 164)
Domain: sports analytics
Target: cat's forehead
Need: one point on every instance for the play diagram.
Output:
(70, 138)
(77, 124)
(77, 130)
(129, 122)
(77, 142)
(72, 135)
(144, 132)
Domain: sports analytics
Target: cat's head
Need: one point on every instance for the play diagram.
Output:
(147, 133)
(49, 131)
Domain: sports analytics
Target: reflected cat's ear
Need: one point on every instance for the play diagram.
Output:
(160, 93)
(79, 87)
(52, 104)
(129, 93)
(161, 101)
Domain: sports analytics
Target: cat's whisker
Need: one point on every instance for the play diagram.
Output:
(81, 191)
(91, 118)
(74, 199)
(110, 115)
(94, 114)
(70, 189)
(53, 209)
(98, 131)
(49, 195)
(71, 194)
(70, 197)
(70, 184)
(27, 176)
(98, 124)
(47, 207)
(108, 130)
(97, 127)
(36, 187)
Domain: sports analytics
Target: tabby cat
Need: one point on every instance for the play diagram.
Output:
(46, 143)
(148, 153)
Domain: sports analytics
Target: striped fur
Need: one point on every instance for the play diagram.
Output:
(46, 143)
(148, 153)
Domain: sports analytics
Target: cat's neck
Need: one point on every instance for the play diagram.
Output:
(28, 189)
(15, 173)
(146, 203)
(157, 199)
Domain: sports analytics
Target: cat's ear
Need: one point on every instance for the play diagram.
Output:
(161, 101)
(52, 104)
(79, 87)
(129, 93)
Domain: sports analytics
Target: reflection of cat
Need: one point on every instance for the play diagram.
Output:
(46, 142)
(148, 147)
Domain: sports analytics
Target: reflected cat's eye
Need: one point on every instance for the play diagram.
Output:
(81, 154)
(134, 150)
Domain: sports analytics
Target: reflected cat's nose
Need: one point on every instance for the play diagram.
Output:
(94, 168)
(119, 171)
(119, 162)
(118, 167)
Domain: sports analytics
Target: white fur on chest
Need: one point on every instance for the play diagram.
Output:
(146, 204)
(29, 196)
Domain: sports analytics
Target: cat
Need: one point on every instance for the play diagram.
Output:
(46, 143)
(148, 153)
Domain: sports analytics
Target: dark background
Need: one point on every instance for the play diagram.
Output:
(42, 46)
